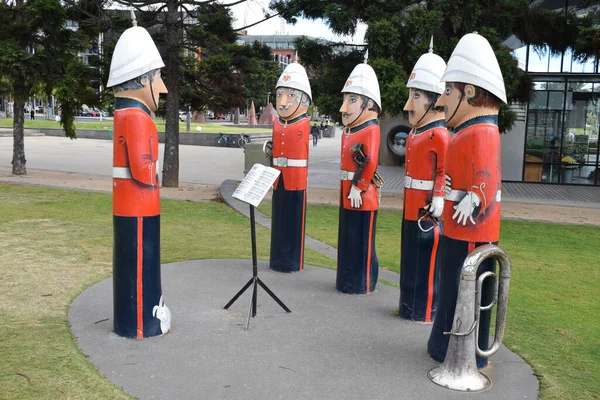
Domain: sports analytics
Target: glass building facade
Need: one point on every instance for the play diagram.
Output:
(561, 127)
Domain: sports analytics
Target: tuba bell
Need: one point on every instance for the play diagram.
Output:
(459, 370)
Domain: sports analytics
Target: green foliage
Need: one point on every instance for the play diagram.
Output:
(230, 77)
(399, 31)
(39, 54)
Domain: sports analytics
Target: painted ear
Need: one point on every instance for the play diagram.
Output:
(469, 91)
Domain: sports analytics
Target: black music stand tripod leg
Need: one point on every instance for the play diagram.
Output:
(273, 296)
(255, 280)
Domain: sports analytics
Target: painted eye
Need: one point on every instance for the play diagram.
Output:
(416, 95)
(448, 90)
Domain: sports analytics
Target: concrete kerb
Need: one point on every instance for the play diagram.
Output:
(185, 138)
(226, 191)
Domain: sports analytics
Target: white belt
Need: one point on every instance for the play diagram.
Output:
(410, 183)
(288, 162)
(346, 175)
(121, 172)
(457, 195)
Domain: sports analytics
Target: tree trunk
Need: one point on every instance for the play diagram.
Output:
(172, 64)
(236, 116)
(18, 161)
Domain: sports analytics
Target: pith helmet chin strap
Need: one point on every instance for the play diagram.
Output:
(362, 110)
(150, 80)
(462, 95)
(426, 111)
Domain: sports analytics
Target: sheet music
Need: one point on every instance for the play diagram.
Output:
(256, 184)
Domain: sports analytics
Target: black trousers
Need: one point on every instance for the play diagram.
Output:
(453, 254)
(287, 229)
(419, 271)
(357, 266)
(136, 276)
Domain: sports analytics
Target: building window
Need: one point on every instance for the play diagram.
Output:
(562, 132)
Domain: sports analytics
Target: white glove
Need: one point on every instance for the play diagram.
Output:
(464, 209)
(354, 197)
(448, 184)
(437, 206)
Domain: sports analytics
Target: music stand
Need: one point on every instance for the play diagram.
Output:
(248, 192)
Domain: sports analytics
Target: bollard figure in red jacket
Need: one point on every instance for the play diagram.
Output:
(424, 189)
(139, 309)
(291, 136)
(473, 94)
(357, 266)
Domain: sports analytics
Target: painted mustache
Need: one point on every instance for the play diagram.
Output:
(284, 108)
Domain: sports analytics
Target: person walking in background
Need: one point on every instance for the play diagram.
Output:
(32, 113)
(314, 131)
(321, 130)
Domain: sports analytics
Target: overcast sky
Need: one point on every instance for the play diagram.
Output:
(252, 11)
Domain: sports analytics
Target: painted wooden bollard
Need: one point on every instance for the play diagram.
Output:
(473, 93)
(139, 308)
(357, 263)
(291, 135)
(424, 189)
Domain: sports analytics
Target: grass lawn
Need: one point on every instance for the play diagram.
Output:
(108, 125)
(56, 243)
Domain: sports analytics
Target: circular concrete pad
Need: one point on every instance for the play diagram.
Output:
(332, 345)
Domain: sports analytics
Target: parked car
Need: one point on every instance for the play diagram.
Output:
(219, 116)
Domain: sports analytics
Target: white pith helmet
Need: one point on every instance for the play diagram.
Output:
(294, 77)
(473, 62)
(134, 55)
(362, 80)
(427, 72)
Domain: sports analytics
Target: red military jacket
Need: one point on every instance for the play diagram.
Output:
(473, 163)
(425, 160)
(367, 134)
(136, 191)
(290, 141)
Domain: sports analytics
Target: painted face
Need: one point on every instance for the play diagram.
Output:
(416, 106)
(450, 100)
(150, 98)
(352, 110)
(289, 103)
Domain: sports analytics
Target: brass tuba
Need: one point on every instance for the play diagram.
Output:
(459, 370)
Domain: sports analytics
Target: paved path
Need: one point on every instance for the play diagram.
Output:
(332, 346)
(211, 165)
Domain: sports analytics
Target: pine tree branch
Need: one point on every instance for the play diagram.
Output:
(268, 17)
